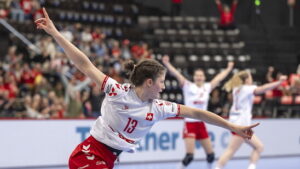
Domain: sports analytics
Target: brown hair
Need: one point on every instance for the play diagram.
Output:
(144, 69)
(237, 79)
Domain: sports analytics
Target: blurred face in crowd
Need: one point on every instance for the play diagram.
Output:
(199, 77)
(226, 8)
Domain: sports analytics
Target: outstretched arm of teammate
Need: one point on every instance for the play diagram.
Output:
(166, 61)
(221, 76)
(269, 86)
(209, 117)
(80, 60)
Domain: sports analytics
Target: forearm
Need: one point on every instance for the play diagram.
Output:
(80, 60)
(266, 87)
(205, 116)
(219, 77)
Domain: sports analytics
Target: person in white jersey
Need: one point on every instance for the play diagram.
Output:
(196, 94)
(240, 113)
(128, 110)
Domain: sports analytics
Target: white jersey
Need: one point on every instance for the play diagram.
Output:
(195, 96)
(125, 118)
(241, 109)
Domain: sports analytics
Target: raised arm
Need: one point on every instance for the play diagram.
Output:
(80, 60)
(166, 61)
(269, 86)
(269, 74)
(209, 117)
(221, 76)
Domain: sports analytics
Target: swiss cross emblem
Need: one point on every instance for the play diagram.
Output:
(149, 116)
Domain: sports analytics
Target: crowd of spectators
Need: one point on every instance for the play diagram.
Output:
(48, 86)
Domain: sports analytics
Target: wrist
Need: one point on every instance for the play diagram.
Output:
(56, 34)
(230, 126)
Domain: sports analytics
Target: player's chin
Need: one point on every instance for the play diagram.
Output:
(156, 96)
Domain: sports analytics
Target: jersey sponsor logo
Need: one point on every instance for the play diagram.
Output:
(108, 88)
(85, 149)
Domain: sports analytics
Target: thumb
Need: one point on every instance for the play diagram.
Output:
(253, 125)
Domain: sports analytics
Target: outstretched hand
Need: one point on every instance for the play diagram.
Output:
(244, 131)
(46, 24)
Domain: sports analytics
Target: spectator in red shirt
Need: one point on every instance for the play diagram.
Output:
(227, 14)
(26, 5)
(280, 90)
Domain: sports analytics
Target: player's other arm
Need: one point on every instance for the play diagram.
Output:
(209, 117)
(269, 86)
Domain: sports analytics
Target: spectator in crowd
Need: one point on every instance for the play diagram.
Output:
(280, 90)
(16, 11)
(73, 95)
(294, 90)
(215, 103)
(227, 14)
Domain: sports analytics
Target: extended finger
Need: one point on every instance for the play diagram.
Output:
(253, 125)
(45, 13)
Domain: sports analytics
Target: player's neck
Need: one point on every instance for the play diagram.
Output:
(141, 94)
(199, 84)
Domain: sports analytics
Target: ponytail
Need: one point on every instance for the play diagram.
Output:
(144, 69)
(237, 80)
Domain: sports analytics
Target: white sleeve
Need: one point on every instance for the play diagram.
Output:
(112, 88)
(164, 109)
(186, 85)
(208, 87)
(249, 90)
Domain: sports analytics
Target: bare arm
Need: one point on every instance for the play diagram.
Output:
(269, 86)
(80, 60)
(269, 74)
(209, 117)
(221, 76)
(181, 79)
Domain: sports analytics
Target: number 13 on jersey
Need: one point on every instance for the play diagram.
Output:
(130, 126)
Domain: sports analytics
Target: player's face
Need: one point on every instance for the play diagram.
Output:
(199, 77)
(158, 86)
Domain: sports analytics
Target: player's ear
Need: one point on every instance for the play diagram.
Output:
(149, 82)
